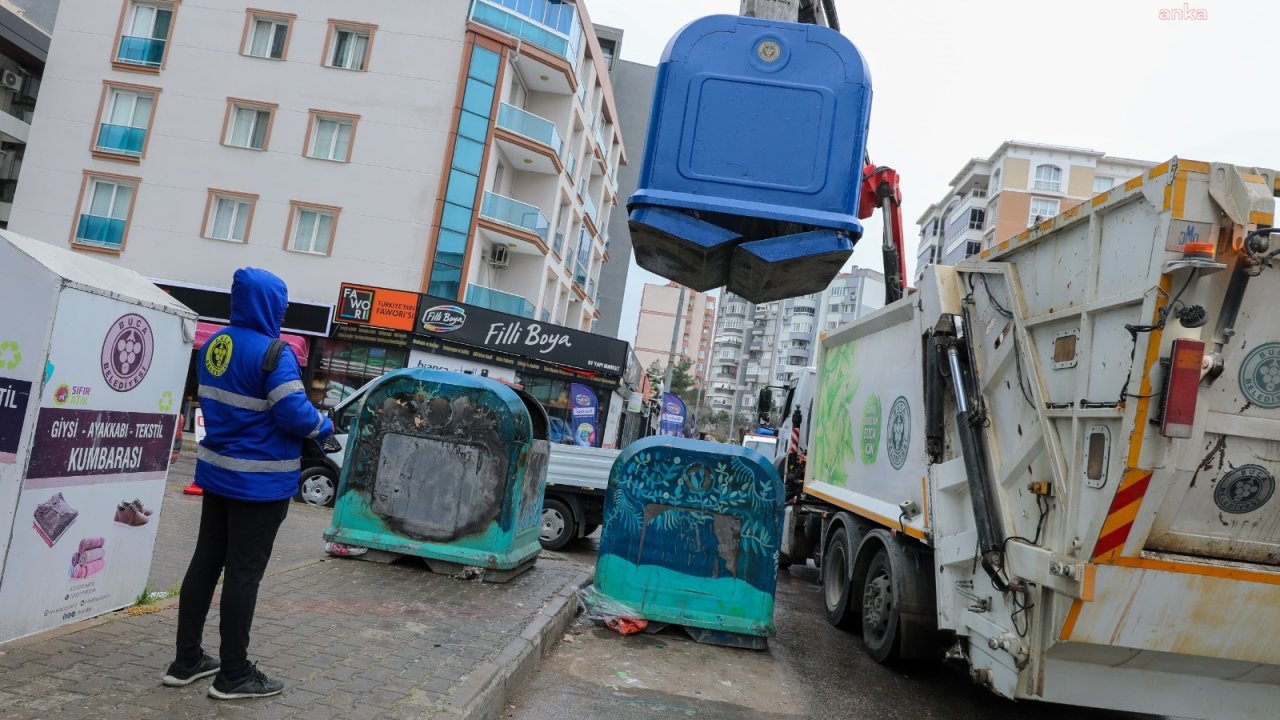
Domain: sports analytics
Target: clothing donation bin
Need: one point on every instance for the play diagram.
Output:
(691, 535)
(448, 467)
(93, 359)
(754, 158)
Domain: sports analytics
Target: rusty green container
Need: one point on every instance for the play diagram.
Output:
(445, 466)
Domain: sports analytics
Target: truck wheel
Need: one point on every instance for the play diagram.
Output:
(835, 581)
(558, 525)
(318, 486)
(880, 616)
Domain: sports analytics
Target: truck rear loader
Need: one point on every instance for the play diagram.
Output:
(1056, 461)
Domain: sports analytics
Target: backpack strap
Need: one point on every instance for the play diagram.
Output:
(272, 357)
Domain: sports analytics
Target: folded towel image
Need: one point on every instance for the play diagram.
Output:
(80, 572)
(91, 543)
(52, 518)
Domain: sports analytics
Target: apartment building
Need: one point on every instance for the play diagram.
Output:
(24, 47)
(466, 149)
(756, 346)
(992, 199)
(662, 317)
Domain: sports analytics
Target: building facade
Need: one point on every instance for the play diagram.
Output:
(993, 199)
(661, 318)
(633, 85)
(24, 48)
(756, 346)
(466, 149)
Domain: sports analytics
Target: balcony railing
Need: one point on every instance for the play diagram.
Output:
(511, 23)
(558, 245)
(498, 300)
(546, 315)
(534, 127)
(590, 208)
(592, 293)
(141, 51)
(604, 149)
(580, 275)
(572, 166)
(121, 139)
(98, 230)
(515, 213)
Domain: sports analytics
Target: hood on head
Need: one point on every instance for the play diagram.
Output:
(258, 301)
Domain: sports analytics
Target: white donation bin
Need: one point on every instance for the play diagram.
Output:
(93, 359)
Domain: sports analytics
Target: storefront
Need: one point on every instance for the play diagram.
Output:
(576, 376)
(306, 325)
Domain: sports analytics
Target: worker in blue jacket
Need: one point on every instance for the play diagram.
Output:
(257, 414)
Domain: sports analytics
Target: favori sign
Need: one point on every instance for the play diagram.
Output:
(505, 333)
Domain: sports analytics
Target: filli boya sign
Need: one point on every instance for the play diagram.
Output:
(481, 327)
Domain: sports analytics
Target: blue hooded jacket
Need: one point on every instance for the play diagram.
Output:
(255, 421)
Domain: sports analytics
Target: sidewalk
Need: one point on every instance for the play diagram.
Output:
(350, 639)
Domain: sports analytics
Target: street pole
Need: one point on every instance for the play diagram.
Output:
(675, 340)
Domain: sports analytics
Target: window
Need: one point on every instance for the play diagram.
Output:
(1048, 177)
(995, 180)
(976, 218)
(972, 248)
(106, 202)
(348, 45)
(228, 215)
(125, 117)
(329, 137)
(1102, 184)
(144, 36)
(991, 214)
(249, 124)
(311, 228)
(1041, 209)
(266, 35)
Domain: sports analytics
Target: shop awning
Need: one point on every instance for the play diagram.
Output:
(206, 330)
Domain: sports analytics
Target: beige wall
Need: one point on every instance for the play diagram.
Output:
(658, 317)
(1079, 182)
(1015, 173)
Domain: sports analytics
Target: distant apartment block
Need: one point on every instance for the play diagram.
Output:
(662, 318)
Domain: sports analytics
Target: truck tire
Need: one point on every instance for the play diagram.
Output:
(558, 525)
(880, 613)
(835, 581)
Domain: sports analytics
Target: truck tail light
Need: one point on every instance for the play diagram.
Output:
(1183, 388)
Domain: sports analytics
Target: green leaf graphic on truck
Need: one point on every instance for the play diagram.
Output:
(833, 447)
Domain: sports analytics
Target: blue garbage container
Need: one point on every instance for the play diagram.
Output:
(754, 158)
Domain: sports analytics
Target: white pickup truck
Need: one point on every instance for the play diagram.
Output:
(573, 499)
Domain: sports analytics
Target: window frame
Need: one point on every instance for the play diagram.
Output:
(126, 6)
(314, 117)
(352, 26)
(86, 182)
(228, 122)
(1111, 182)
(210, 214)
(296, 207)
(1054, 185)
(1031, 210)
(109, 88)
(251, 19)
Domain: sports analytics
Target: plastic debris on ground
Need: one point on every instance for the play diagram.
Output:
(610, 613)
(341, 550)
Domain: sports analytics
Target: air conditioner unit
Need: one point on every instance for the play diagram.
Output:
(11, 80)
(499, 256)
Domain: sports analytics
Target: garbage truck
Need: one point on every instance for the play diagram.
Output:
(1055, 462)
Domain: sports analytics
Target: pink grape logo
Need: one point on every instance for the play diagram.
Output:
(126, 353)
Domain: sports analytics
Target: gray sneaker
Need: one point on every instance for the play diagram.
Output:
(253, 685)
(180, 674)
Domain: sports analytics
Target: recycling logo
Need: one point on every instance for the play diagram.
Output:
(166, 402)
(10, 355)
(898, 429)
(1260, 376)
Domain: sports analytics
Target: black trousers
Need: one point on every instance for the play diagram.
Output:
(235, 537)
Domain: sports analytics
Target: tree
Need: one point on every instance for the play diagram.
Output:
(682, 379)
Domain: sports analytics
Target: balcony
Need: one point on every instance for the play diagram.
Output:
(101, 231)
(558, 245)
(121, 139)
(572, 166)
(508, 20)
(526, 124)
(590, 209)
(546, 315)
(580, 275)
(148, 52)
(600, 139)
(498, 300)
(514, 213)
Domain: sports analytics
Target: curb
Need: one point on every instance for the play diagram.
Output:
(483, 694)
